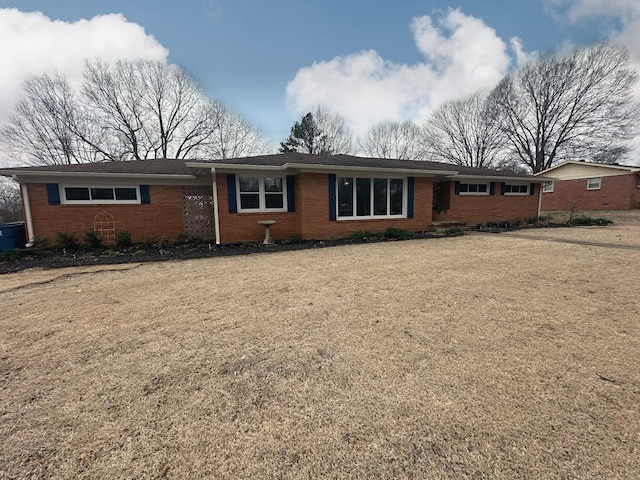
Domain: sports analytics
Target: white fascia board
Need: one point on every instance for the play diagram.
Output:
(21, 174)
(341, 168)
(501, 178)
(318, 168)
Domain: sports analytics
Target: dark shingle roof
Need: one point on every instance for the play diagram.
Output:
(179, 167)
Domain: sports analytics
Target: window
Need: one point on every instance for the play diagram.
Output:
(547, 187)
(474, 188)
(259, 194)
(100, 194)
(593, 183)
(370, 197)
(516, 189)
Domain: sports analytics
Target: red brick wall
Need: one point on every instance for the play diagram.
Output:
(480, 209)
(311, 218)
(243, 227)
(616, 193)
(162, 217)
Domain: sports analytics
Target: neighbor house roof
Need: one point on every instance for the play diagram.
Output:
(168, 168)
(575, 169)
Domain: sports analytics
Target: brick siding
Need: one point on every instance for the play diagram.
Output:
(481, 209)
(616, 193)
(162, 217)
(311, 218)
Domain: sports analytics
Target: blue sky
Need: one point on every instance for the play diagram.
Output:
(369, 60)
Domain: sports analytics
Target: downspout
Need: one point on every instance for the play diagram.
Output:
(216, 215)
(539, 198)
(27, 213)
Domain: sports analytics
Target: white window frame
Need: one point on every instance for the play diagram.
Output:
(64, 201)
(405, 184)
(261, 194)
(547, 187)
(592, 187)
(517, 185)
(488, 190)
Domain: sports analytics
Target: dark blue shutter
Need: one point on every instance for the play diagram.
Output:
(291, 193)
(231, 193)
(503, 188)
(145, 198)
(410, 188)
(332, 197)
(457, 187)
(492, 188)
(532, 189)
(53, 194)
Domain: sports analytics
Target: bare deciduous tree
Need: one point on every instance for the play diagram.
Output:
(466, 132)
(235, 138)
(319, 133)
(39, 129)
(336, 136)
(577, 106)
(10, 201)
(395, 140)
(124, 111)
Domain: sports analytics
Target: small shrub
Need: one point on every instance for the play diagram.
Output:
(92, 238)
(394, 233)
(361, 235)
(41, 242)
(13, 254)
(440, 207)
(294, 238)
(164, 242)
(66, 241)
(583, 221)
(454, 232)
(123, 239)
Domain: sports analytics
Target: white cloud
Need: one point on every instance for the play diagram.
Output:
(34, 44)
(461, 55)
(607, 8)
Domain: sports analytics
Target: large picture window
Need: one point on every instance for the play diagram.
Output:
(370, 197)
(259, 194)
(100, 194)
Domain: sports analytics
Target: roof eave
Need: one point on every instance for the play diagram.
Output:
(37, 174)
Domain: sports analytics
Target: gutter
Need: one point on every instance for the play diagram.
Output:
(27, 213)
(320, 168)
(216, 214)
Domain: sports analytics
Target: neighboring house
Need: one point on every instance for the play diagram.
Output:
(590, 186)
(312, 196)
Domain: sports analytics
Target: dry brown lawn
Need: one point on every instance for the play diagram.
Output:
(485, 356)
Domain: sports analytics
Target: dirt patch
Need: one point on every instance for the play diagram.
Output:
(483, 356)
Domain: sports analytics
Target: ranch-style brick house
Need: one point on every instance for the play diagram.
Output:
(590, 186)
(313, 196)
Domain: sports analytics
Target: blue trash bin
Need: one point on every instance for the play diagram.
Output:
(12, 235)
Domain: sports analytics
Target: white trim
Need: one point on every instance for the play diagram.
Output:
(517, 194)
(550, 183)
(488, 192)
(27, 213)
(261, 194)
(320, 168)
(64, 201)
(216, 213)
(372, 198)
(599, 179)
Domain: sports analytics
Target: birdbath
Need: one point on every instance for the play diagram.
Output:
(266, 224)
